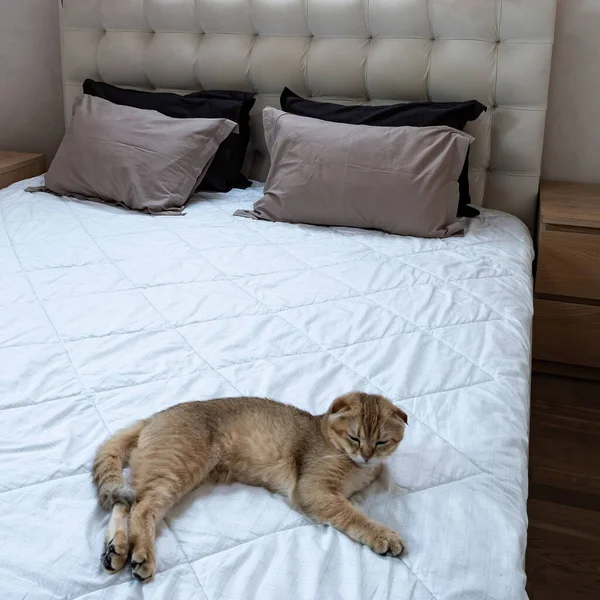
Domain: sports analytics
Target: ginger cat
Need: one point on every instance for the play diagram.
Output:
(317, 462)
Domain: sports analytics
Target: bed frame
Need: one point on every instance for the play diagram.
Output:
(355, 51)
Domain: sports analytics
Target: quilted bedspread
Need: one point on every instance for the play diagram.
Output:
(108, 316)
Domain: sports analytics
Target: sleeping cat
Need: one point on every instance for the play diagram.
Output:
(318, 462)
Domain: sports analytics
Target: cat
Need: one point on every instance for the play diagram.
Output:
(317, 462)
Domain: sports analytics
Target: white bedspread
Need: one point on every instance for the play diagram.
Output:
(108, 316)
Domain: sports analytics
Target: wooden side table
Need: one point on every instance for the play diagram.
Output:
(566, 325)
(16, 166)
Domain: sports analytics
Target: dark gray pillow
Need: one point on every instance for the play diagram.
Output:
(138, 159)
(412, 114)
(225, 170)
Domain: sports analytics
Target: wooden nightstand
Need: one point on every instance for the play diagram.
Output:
(16, 166)
(566, 323)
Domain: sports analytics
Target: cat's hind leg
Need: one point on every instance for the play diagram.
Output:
(144, 516)
(116, 539)
(160, 484)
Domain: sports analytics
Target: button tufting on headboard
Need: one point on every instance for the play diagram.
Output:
(375, 51)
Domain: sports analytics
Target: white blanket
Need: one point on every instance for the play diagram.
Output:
(108, 316)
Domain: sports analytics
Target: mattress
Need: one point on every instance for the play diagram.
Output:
(108, 316)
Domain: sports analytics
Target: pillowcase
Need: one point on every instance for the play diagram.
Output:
(225, 171)
(414, 114)
(134, 158)
(401, 180)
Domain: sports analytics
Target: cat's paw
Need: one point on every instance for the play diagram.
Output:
(386, 541)
(115, 553)
(142, 566)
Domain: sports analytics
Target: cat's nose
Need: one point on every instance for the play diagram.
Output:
(367, 456)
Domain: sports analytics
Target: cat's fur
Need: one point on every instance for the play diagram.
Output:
(313, 460)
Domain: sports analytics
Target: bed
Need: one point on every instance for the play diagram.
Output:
(107, 316)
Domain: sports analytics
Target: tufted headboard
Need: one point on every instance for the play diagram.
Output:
(355, 51)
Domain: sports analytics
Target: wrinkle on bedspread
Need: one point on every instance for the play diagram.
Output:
(108, 316)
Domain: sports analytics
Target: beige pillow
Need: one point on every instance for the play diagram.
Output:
(402, 180)
(139, 159)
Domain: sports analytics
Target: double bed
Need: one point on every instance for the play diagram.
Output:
(108, 316)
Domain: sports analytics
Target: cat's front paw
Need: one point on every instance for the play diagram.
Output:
(386, 541)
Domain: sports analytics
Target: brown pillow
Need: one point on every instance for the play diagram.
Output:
(138, 159)
(401, 180)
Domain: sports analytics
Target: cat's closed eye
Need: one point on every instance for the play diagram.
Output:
(354, 439)
(382, 442)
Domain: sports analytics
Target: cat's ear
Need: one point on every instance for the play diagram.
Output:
(339, 406)
(400, 413)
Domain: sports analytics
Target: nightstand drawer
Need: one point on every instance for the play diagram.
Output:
(566, 332)
(569, 264)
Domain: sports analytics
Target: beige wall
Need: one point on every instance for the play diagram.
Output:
(572, 147)
(31, 114)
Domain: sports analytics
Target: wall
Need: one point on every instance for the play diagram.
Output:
(31, 113)
(31, 117)
(572, 144)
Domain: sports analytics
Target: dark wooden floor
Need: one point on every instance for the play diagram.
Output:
(563, 550)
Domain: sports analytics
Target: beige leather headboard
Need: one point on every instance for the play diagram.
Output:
(359, 51)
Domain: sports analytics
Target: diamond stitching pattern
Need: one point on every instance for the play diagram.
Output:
(207, 305)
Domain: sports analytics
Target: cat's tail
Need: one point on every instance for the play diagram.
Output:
(110, 460)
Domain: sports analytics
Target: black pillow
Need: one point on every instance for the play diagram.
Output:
(414, 114)
(224, 172)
